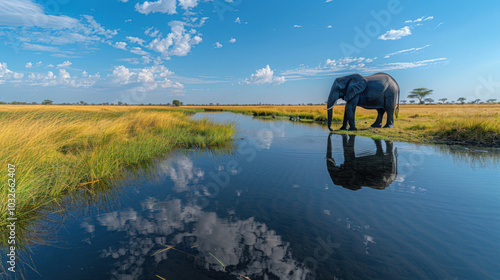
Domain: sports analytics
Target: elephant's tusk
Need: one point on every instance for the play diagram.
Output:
(330, 107)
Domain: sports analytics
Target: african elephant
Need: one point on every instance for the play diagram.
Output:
(376, 171)
(378, 91)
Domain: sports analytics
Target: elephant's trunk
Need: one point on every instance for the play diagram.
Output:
(335, 94)
(329, 108)
(332, 98)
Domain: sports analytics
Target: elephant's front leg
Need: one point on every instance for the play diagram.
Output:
(344, 121)
(351, 112)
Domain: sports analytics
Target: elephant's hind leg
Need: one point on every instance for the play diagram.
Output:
(378, 121)
(390, 118)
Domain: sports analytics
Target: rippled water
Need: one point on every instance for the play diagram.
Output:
(291, 202)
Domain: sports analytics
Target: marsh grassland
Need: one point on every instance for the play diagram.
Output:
(63, 150)
(471, 124)
(60, 149)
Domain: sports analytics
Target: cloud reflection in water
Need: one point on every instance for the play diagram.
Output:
(245, 247)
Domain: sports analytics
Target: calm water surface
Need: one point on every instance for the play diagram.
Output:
(291, 202)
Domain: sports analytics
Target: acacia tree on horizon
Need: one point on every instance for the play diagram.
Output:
(420, 94)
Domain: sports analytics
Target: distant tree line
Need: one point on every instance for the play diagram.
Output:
(174, 103)
(421, 94)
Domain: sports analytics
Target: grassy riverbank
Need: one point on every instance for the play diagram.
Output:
(59, 149)
(472, 124)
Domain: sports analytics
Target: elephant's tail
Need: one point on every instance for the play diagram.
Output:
(397, 108)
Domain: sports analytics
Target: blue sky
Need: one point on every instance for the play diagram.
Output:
(242, 51)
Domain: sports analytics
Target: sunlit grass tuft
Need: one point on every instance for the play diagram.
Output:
(480, 129)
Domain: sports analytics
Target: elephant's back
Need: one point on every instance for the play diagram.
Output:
(382, 77)
(382, 81)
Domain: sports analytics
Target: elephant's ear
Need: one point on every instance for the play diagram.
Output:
(357, 85)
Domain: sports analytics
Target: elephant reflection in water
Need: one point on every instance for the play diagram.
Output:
(376, 171)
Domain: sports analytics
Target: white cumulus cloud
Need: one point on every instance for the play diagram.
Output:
(177, 43)
(264, 76)
(146, 76)
(135, 40)
(396, 34)
(7, 74)
(64, 64)
(232, 41)
(64, 79)
(122, 74)
(217, 45)
(120, 45)
(63, 74)
(160, 6)
(167, 6)
(145, 79)
(188, 4)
